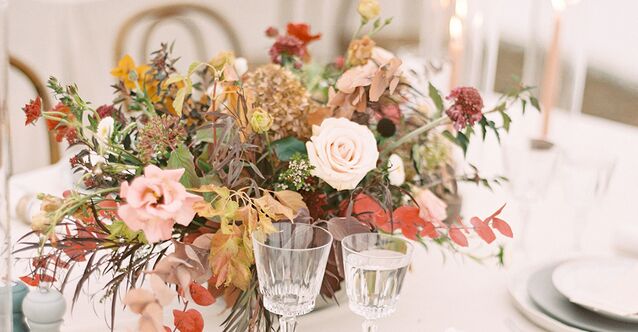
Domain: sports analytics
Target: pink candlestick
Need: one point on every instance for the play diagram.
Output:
(550, 75)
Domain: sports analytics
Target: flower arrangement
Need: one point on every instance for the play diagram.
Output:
(182, 168)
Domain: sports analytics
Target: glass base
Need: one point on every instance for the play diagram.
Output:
(281, 307)
(371, 313)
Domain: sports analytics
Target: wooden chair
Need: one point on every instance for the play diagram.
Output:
(40, 89)
(178, 13)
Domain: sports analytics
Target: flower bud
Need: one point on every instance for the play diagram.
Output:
(368, 9)
(260, 121)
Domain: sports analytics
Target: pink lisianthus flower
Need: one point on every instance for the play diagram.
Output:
(431, 208)
(155, 202)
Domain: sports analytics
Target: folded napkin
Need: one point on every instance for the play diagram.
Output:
(616, 294)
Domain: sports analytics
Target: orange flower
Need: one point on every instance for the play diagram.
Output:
(302, 32)
(61, 130)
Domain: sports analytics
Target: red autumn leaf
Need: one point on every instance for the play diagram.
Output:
(483, 230)
(503, 227)
(201, 295)
(47, 278)
(488, 219)
(31, 281)
(366, 208)
(407, 218)
(190, 320)
(302, 32)
(457, 237)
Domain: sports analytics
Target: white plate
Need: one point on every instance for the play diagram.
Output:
(578, 280)
(517, 288)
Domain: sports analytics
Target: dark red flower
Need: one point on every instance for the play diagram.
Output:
(467, 107)
(286, 46)
(302, 32)
(272, 32)
(33, 110)
(105, 110)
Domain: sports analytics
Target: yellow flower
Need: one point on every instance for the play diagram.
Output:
(260, 121)
(368, 9)
(123, 72)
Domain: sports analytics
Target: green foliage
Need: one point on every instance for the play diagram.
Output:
(182, 158)
(285, 148)
(435, 95)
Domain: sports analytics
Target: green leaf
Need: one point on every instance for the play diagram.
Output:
(534, 102)
(523, 105)
(436, 98)
(285, 148)
(447, 134)
(462, 141)
(376, 23)
(182, 158)
(506, 121)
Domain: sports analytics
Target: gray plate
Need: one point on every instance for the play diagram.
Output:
(543, 293)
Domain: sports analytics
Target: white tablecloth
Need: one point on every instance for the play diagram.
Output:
(440, 294)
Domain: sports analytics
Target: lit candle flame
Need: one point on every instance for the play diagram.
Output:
(456, 28)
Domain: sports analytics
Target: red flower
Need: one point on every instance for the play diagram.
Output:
(467, 107)
(340, 62)
(33, 110)
(286, 46)
(302, 32)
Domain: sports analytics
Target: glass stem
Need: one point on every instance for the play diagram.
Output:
(287, 324)
(369, 326)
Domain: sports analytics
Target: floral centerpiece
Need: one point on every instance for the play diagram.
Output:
(182, 169)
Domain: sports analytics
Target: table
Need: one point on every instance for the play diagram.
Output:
(458, 295)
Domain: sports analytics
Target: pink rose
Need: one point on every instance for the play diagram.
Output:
(156, 201)
(431, 208)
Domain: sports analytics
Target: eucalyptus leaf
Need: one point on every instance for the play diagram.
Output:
(436, 98)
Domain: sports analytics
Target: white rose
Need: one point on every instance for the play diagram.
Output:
(396, 170)
(105, 130)
(342, 152)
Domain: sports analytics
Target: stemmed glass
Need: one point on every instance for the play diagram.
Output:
(290, 266)
(586, 177)
(375, 266)
(529, 166)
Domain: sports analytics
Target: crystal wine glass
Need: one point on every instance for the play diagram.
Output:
(290, 267)
(375, 266)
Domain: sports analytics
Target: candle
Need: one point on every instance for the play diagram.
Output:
(552, 63)
(552, 67)
(493, 33)
(456, 50)
(476, 49)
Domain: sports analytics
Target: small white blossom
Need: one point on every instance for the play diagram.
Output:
(396, 170)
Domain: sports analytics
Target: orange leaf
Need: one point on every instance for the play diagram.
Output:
(407, 218)
(458, 237)
(503, 227)
(366, 208)
(190, 320)
(31, 281)
(201, 295)
(483, 230)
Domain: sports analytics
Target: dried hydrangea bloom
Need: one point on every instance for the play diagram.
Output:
(280, 93)
(360, 51)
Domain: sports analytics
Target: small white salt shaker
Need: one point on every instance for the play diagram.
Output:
(44, 308)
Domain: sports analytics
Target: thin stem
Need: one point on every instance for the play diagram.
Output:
(287, 324)
(415, 133)
(369, 326)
